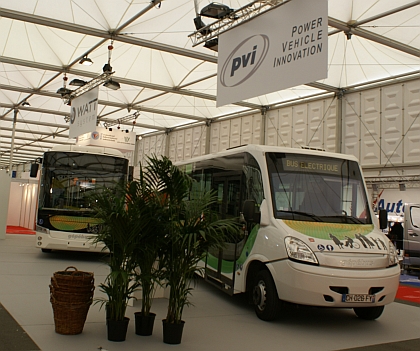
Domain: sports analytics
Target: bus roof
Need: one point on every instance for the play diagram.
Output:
(88, 149)
(255, 148)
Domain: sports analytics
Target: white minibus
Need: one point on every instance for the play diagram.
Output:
(309, 234)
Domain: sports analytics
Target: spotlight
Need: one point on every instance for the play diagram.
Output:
(25, 103)
(110, 129)
(78, 82)
(402, 187)
(64, 91)
(126, 130)
(107, 68)
(348, 34)
(86, 61)
(111, 84)
(375, 187)
(216, 10)
(198, 22)
(212, 44)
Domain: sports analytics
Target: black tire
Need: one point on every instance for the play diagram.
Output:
(46, 250)
(368, 313)
(264, 297)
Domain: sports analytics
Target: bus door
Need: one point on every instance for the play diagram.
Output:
(411, 236)
(221, 264)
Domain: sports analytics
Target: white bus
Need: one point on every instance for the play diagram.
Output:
(309, 234)
(69, 175)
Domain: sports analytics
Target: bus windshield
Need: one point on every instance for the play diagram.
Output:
(320, 189)
(68, 178)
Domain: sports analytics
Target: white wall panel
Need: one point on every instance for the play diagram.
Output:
(199, 141)
(257, 129)
(152, 145)
(330, 125)
(412, 122)
(172, 146)
(351, 125)
(160, 144)
(214, 137)
(391, 125)
(235, 132)
(300, 126)
(316, 124)
(140, 151)
(285, 127)
(180, 145)
(188, 135)
(370, 127)
(247, 131)
(272, 128)
(146, 147)
(224, 135)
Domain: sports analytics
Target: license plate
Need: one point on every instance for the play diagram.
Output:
(358, 298)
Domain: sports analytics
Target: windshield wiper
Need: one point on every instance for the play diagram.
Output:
(311, 215)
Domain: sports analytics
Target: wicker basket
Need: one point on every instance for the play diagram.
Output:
(69, 319)
(68, 279)
(71, 294)
(67, 296)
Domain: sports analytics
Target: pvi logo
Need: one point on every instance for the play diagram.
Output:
(95, 135)
(244, 60)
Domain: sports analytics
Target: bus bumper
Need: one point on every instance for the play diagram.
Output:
(66, 241)
(321, 286)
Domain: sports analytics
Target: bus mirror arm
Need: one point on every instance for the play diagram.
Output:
(264, 213)
(383, 219)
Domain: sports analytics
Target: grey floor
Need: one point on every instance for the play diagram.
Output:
(215, 322)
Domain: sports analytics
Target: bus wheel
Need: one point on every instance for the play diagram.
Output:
(46, 250)
(264, 296)
(368, 313)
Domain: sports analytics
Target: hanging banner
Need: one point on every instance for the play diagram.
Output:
(120, 139)
(285, 47)
(83, 115)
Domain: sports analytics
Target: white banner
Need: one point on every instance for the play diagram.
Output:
(285, 47)
(84, 110)
(115, 139)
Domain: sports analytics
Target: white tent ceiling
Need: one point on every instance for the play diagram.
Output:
(161, 74)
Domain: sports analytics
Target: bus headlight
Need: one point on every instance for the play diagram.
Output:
(393, 255)
(298, 250)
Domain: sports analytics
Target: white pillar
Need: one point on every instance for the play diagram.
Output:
(5, 181)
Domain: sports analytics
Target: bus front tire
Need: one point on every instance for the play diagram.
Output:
(264, 296)
(368, 313)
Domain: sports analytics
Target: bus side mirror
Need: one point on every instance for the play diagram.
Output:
(249, 210)
(383, 219)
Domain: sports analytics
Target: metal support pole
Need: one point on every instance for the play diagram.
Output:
(12, 146)
(339, 127)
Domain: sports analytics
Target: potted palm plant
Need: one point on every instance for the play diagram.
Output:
(145, 256)
(121, 223)
(191, 229)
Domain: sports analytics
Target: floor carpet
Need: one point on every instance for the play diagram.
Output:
(12, 229)
(409, 294)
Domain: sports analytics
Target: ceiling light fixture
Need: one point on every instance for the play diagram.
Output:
(78, 82)
(216, 10)
(86, 61)
(212, 44)
(64, 91)
(112, 84)
(25, 103)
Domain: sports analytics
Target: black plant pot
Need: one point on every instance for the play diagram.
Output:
(117, 330)
(144, 324)
(172, 332)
